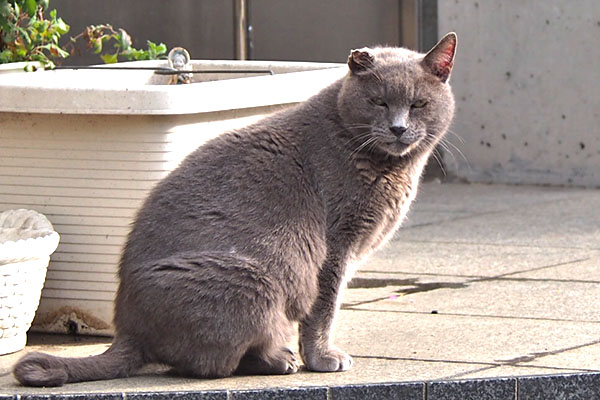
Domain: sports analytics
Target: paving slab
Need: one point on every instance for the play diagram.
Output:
(468, 260)
(571, 222)
(488, 291)
(538, 299)
(477, 199)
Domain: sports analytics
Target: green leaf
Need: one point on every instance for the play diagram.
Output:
(124, 39)
(155, 50)
(40, 57)
(57, 51)
(31, 7)
(109, 58)
(6, 56)
(61, 26)
(23, 34)
(137, 54)
(97, 45)
(5, 10)
(161, 50)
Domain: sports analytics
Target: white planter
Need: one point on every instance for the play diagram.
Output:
(26, 241)
(84, 147)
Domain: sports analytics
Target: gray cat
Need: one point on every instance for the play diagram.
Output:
(260, 227)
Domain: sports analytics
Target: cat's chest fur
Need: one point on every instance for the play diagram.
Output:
(380, 204)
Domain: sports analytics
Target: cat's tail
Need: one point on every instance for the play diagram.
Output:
(39, 369)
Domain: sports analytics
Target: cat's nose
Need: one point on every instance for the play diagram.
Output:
(398, 130)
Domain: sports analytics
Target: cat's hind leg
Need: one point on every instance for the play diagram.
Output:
(271, 356)
(203, 313)
(280, 361)
(215, 362)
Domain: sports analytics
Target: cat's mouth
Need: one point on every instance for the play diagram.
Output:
(400, 145)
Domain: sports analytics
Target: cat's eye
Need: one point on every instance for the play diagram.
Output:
(419, 104)
(378, 101)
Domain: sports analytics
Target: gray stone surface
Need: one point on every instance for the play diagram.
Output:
(384, 391)
(497, 389)
(308, 393)
(80, 396)
(442, 304)
(573, 387)
(206, 395)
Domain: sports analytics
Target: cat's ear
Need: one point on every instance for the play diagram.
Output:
(360, 61)
(440, 59)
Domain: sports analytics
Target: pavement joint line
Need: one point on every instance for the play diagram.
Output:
(487, 365)
(429, 360)
(564, 369)
(536, 356)
(477, 277)
(404, 240)
(441, 313)
(466, 373)
(561, 264)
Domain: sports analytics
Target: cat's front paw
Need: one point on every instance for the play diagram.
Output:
(331, 359)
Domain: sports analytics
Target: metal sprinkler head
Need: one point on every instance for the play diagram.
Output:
(179, 59)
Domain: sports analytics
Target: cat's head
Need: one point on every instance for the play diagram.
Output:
(394, 100)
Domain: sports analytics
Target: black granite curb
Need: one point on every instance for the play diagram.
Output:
(573, 387)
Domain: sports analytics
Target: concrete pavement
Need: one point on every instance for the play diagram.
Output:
(483, 287)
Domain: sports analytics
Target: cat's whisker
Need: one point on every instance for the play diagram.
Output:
(457, 136)
(353, 126)
(433, 144)
(359, 137)
(369, 141)
(372, 146)
(449, 148)
(449, 143)
(357, 125)
(435, 155)
(442, 144)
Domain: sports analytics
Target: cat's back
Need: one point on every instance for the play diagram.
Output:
(242, 191)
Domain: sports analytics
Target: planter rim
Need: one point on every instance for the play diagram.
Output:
(81, 91)
(17, 67)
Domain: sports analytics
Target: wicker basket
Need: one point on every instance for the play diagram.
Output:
(26, 241)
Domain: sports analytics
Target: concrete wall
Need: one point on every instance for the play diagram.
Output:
(291, 30)
(317, 30)
(204, 27)
(527, 84)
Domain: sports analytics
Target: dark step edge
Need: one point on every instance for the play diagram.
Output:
(572, 386)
